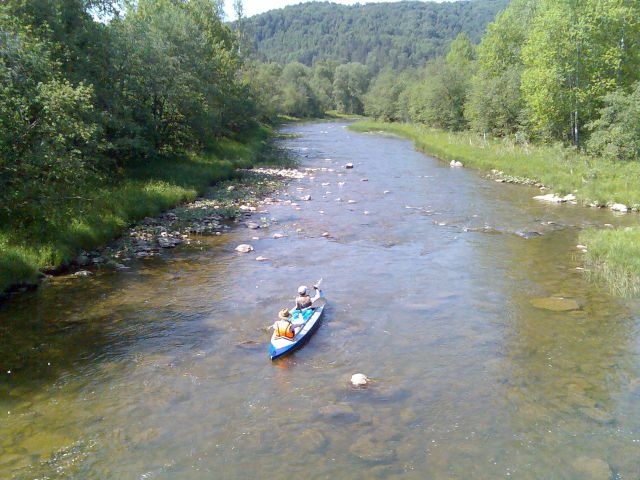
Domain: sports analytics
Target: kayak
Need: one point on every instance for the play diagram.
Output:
(305, 321)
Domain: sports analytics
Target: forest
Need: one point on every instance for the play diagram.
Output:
(387, 35)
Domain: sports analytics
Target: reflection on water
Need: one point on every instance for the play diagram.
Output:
(163, 371)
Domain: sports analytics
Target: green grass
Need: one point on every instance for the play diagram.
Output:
(146, 191)
(613, 255)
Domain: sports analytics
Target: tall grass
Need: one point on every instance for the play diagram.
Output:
(107, 210)
(613, 255)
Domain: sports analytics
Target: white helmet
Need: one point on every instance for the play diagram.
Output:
(302, 290)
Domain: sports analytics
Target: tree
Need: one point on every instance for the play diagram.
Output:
(350, 84)
(616, 133)
(576, 53)
(495, 103)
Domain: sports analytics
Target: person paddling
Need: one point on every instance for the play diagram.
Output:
(283, 326)
(303, 300)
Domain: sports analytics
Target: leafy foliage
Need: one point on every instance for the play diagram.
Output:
(380, 36)
(616, 133)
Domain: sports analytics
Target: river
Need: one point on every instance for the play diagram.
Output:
(436, 281)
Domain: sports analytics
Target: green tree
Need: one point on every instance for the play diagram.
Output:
(575, 54)
(616, 133)
(350, 84)
(495, 103)
(298, 98)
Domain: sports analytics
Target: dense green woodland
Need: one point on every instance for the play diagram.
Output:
(391, 35)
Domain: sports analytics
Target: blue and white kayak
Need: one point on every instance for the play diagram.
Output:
(305, 322)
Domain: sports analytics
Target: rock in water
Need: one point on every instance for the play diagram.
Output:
(244, 248)
(82, 273)
(592, 468)
(555, 304)
(619, 207)
(549, 197)
(371, 449)
(341, 412)
(278, 235)
(456, 164)
(261, 259)
(359, 380)
(349, 165)
(312, 441)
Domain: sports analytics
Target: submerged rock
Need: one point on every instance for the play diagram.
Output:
(555, 304)
(371, 449)
(592, 468)
(312, 440)
(339, 411)
(598, 415)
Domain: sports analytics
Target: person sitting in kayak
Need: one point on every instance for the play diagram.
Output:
(283, 326)
(303, 300)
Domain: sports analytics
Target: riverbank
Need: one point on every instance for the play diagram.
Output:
(107, 211)
(611, 254)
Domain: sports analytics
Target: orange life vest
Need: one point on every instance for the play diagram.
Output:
(283, 328)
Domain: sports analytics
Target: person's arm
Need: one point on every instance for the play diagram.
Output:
(317, 295)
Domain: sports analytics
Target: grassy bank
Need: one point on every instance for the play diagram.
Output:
(613, 255)
(106, 210)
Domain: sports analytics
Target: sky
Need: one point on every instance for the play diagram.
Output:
(253, 7)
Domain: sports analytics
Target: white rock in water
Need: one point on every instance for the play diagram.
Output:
(261, 259)
(359, 380)
(455, 163)
(569, 198)
(349, 165)
(619, 207)
(549, 197)
(306, 198)
(326, 234)
(82, 273)
(244, 248)
(278, 235)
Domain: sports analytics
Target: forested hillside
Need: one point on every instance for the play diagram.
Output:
(385, 35)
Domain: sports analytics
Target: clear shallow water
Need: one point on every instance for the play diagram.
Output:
(163, 371)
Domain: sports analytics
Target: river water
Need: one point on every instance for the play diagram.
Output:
(434, 278)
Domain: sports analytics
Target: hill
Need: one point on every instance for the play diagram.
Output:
(396, 35)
